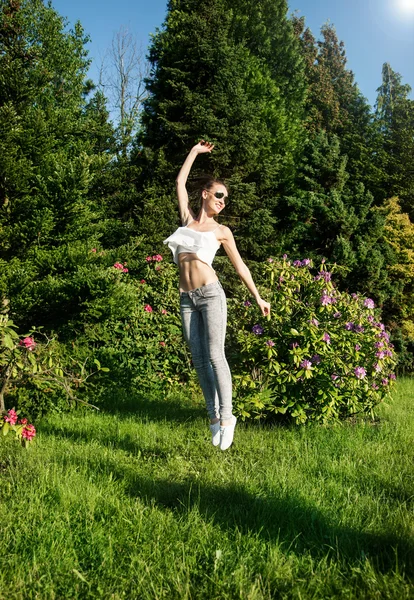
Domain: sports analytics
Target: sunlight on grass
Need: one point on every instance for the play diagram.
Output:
(138, 504)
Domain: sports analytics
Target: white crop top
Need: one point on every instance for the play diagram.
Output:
(202, 243)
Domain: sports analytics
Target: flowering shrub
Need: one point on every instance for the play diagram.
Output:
(23, 431)
(323, 354)
(27, 364)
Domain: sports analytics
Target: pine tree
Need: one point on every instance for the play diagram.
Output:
(212, 79)
(395, 153)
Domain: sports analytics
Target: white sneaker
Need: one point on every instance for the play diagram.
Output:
(227, 433)
(215, 433)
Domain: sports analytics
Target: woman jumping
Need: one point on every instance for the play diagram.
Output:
(202, 299)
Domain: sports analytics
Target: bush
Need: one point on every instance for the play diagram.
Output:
(323, 354)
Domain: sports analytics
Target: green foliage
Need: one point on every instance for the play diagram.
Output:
(323, 355)
(34, 374)
(244, 96)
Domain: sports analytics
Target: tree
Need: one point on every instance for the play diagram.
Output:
(394, 116)
(210, 78)
(121, 78)
(53, 144)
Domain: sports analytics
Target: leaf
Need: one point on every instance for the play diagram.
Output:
(294, 331)
(8, 342)
(6, 428)
(97, 363)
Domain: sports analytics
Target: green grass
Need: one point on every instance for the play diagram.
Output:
(138, 504)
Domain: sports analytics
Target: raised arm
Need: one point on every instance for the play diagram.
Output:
(232, 252)
(186, 213)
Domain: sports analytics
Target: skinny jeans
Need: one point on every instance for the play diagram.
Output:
(204, 319)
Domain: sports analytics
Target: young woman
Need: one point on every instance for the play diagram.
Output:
(202, 299)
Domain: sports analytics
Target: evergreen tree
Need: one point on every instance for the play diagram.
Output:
(53, 144)
(395, 153)
(211, 78)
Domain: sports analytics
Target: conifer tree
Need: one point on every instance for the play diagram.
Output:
(394, 116)
(211, 78)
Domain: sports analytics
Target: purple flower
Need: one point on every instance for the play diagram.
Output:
(349, 326)
(384, 381)
(369, 303)
(326, 338)
(377, 368)
(360, 372)
(381, 326)
(370, 318)
(316, 359)
(325, 300)
(354, 296)
(270, 343)
(337, 315)
(388, 353)
(293, 344)
(306, 262)
(284, 256)
(380, 354)
(297, 263)
(306, 364)
(334, 377)
(247, 303)
(374, 386)
(257, 329)
(379, 344)
(357, 347)
(392, 376)
(270, 260)
(314, 322)
(359, 328)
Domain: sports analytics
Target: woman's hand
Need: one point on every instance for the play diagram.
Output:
(264, 307)
(202, 147)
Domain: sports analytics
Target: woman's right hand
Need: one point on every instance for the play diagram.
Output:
(202, 147)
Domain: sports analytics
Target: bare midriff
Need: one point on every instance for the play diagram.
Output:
(194, 273)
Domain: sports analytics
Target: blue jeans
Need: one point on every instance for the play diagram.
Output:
(204, 318)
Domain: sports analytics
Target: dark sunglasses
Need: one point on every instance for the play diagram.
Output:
(219, 195)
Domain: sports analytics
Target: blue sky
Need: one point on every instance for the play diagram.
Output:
(374, 31)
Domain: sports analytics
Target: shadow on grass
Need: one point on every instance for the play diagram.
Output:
(286, 518)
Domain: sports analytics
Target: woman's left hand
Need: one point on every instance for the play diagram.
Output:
(264, 307)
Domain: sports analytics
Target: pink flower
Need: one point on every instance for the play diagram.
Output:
(314, 322)
(393, 376)
(28, 432)
(148, 258)
(93, 250)
(270, 260)
(325, 300)
(306, 364)
(148, 308)
(326, 338)
(124, 270)
(360, 372)
(284, 256)
(158, 268)
(270, 343)
(119, 266)
(23, 421)
(374, 386)
(334, 377)
(164, 312)
(162, 344)
(357, 347)
(11, 417)
(380, 355)
(143, 281)
(384, 381)
(157, 257)
(377, 368)
(28, 343)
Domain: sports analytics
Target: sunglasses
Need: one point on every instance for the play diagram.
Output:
(219, 195)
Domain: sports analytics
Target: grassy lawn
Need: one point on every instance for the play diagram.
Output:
(138, 504)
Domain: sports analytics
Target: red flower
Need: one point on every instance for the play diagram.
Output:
(143, 281)
(148, 308)
(28, 432)
(28, 343)
(23, 421)
(11, 417)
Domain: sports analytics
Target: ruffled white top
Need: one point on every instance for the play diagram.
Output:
(202, 243)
